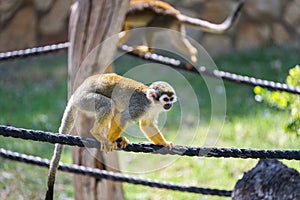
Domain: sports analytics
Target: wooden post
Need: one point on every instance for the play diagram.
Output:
(91, 22)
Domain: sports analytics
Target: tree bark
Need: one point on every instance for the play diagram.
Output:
(91, 23)
(270, 179)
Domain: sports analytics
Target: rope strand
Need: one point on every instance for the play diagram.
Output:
(41, 136)
(96, 173)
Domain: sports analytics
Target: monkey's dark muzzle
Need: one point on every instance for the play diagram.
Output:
(167, 106)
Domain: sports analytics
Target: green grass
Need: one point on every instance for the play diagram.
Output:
(33, 95)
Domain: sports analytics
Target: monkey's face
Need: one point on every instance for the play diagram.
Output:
(167, 101)
(162, 95)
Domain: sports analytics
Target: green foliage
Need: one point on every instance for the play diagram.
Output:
(284, 100)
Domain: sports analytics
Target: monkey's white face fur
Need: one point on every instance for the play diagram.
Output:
(162, 95)
(167, 101)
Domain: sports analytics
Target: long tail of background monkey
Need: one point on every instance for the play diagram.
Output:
(211, 27)
(67, 123)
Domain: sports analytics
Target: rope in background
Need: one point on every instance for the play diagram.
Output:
(34, 51)
(210, 72)
(96, 173)
(166, 61)
(151, 148)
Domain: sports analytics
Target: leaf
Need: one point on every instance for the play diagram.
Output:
(285, 100)
(257, 90)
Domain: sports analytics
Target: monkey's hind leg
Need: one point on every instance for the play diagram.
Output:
(124, 35)
(148, 39)
(103, 108)
(184, 45)
(115, 130)
(97, 131)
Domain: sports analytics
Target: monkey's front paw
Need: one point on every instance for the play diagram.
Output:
(193, 63)
(123, 142)
(189, 66)
(143, 49)
(169, 145)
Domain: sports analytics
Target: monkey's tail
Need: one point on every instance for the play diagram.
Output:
(211, 27)
(67, 123)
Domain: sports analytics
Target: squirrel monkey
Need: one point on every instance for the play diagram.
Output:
(152, 13)
(116, 102)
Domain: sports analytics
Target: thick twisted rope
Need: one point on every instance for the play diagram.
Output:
(96, 173)
(41, 136)
(166, 61)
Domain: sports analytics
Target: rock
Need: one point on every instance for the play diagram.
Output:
(43, 5)
(56, 20)
(20, 32)
(280, 34)
(215, 44)
(6, 5)
(252, 34)
(298, 30)
(178, 4)
(187, 3)
(217, 11)
(8, 8)
(292, 14)
(270, 179)
(266, 9)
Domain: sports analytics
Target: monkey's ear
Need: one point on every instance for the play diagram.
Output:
(151, 94)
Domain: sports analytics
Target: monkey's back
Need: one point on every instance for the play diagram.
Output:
(158, 7)
(123, 91)
(111, 83)
(150, 13)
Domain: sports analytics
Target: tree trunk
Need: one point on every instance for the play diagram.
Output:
(270, 179)
(91, 23)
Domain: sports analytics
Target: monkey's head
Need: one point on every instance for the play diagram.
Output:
(162, 94)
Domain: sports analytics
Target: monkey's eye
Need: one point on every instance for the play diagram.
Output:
(166, 99)
(172, 98)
